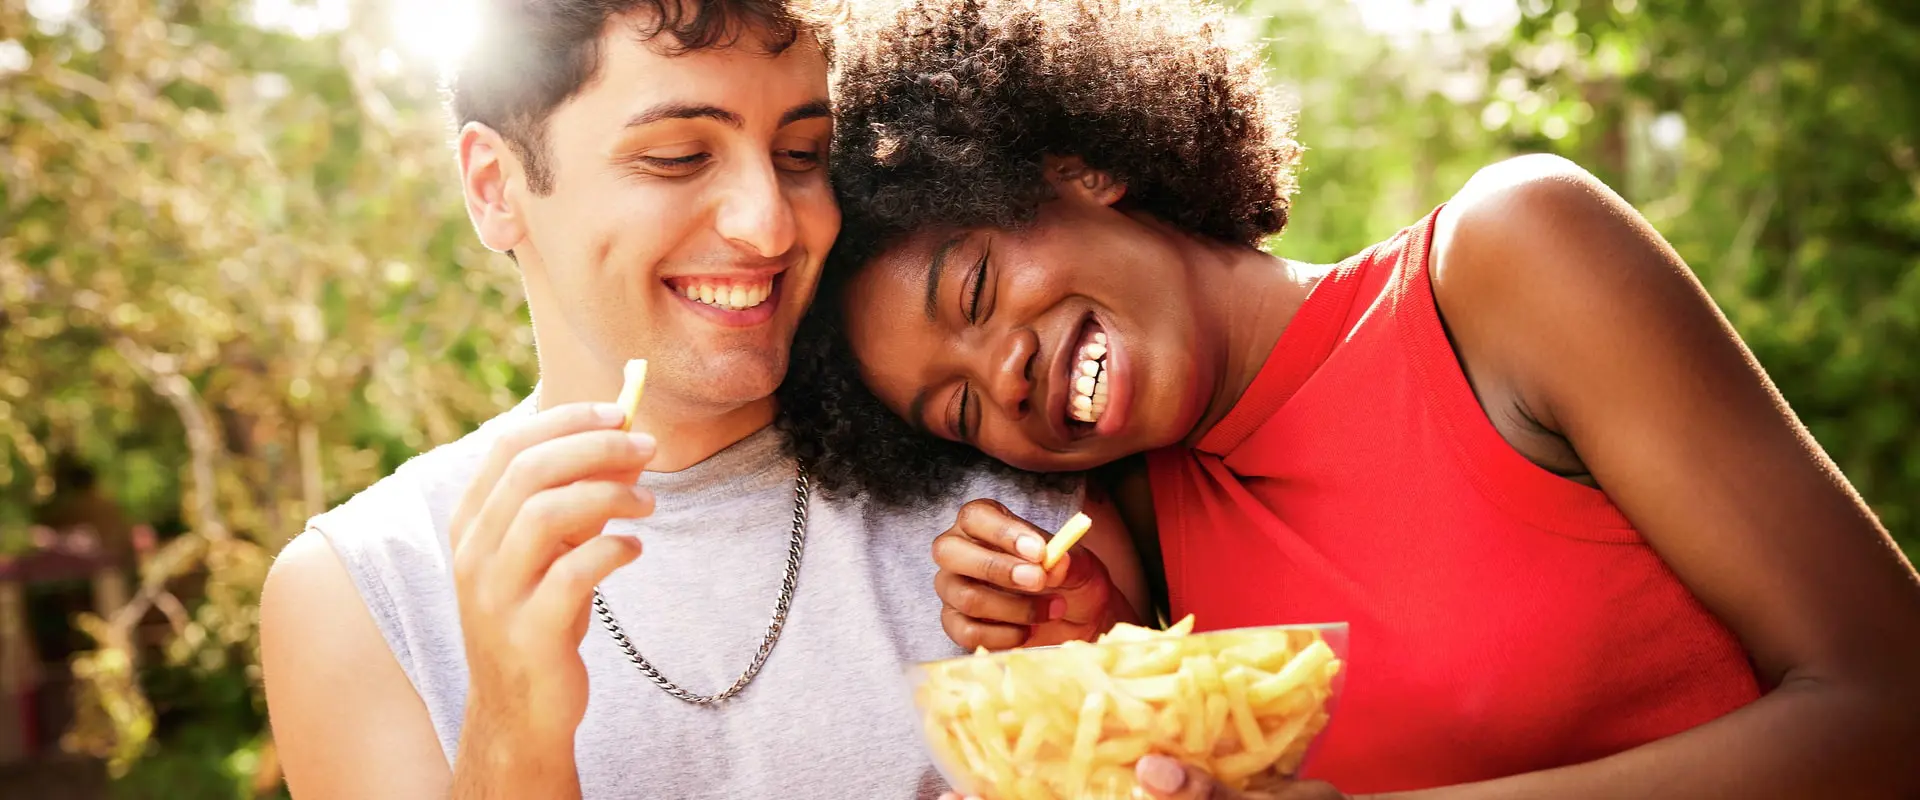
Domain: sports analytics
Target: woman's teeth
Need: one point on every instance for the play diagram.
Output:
(728, 296)
(1089, 399)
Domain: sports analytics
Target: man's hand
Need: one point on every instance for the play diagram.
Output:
(995, 594)
(527, 554)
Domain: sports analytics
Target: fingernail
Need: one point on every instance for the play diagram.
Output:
(643, 442)
(1160, 774)
(1030, 548)
(609, 414)
(1056, 609)
(1029, 575)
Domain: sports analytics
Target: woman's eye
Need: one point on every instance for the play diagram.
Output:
(976, 289)
(957, 414)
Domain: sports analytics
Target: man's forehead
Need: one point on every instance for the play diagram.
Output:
(636, 71)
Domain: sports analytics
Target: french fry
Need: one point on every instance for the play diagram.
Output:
(1122, 751)
(1310, 663)
(1070, 721)
(630, 390)
(1251, 739)
(1063, 541)
(1086, 736)
(1159, 659)
(1032, 735)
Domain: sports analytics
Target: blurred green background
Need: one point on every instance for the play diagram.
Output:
(237, 284)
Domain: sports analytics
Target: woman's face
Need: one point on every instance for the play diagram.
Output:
(1064, 345)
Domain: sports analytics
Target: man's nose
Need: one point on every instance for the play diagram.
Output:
(1010, 373)
(755, 213)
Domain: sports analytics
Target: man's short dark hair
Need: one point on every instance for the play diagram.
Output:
(532, 55)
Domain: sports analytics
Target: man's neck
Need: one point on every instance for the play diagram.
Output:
(686, 436)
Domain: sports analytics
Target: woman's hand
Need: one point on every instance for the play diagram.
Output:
(995, 593)
(1164, 778)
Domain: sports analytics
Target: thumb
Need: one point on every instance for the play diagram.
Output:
(1086, 587)
(1163, 777)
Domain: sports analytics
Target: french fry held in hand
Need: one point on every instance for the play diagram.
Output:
(1069, 722)
(1063, 541)
(629, 402)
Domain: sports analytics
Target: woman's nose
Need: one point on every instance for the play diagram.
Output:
(1009, 377)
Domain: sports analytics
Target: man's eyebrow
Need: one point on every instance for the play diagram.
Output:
(679, 110)
(810, 110)
(935, 266)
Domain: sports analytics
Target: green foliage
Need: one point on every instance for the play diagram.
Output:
(1795, 195)
(1773, 144)
(236, 279)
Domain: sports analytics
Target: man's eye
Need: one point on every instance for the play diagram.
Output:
(676, 166)
(798, 160)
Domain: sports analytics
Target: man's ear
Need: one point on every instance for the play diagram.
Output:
(1071, 177)
(488, 171)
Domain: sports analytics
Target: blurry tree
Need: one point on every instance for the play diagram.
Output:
(1773, 143)
(236, 279)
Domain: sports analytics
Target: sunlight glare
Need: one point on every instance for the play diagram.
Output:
(436, 30)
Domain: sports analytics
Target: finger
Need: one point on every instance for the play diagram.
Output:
(988, 604)
(561, 600)
(1084, 586)
(1307, 790)
(520, 435)
(991, 524)
(970, 633)
(556, 520)
(603, 454)
(1163, 777)
(960, 554)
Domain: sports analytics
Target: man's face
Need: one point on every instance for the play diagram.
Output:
(689, 213)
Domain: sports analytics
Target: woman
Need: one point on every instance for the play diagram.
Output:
(1584, 547)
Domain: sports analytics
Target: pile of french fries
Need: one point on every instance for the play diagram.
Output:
(1070, 721)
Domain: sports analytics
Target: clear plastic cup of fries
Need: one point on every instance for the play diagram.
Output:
(1068, 722)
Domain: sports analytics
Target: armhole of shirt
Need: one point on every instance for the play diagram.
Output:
(1504, 477)
(355, 541)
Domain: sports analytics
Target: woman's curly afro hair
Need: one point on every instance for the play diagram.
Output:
(945, 111)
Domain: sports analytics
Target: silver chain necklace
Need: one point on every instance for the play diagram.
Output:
(801, 488)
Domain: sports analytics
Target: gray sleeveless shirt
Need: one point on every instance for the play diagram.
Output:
(828, 717)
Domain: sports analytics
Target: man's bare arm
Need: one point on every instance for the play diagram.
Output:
(346, 721)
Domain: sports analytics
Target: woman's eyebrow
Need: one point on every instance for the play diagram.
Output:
(935, 266)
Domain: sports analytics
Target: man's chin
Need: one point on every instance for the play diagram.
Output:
(733, 379)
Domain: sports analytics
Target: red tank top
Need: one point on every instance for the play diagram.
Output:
(1502, 619)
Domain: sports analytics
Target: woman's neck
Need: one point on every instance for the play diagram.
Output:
(1246, 298)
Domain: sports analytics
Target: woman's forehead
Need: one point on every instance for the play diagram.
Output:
(903, 264)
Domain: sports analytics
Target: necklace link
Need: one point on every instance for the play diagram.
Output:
(802, 488)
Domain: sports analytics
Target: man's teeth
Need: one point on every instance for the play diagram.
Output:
(729, 296)
(1089, 399)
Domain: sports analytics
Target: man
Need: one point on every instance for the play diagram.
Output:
(656, 170)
